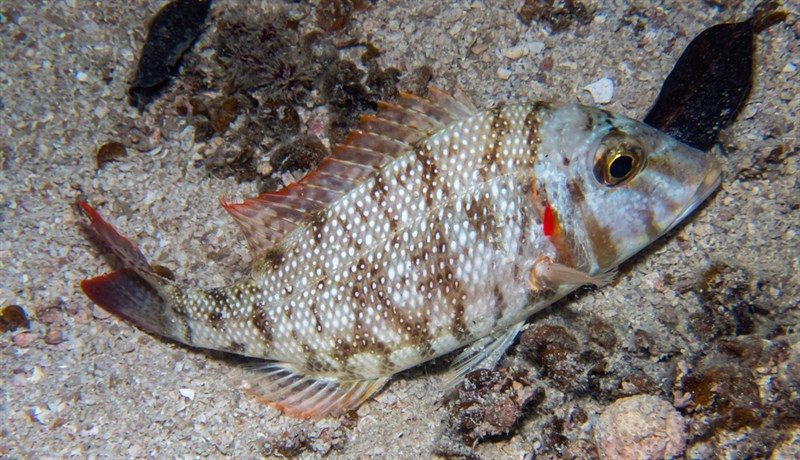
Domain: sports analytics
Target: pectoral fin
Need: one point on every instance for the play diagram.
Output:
(483, 354)
(548, 274)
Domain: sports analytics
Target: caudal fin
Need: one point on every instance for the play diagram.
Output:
(129, 296)
(130, 255)
(135, 293)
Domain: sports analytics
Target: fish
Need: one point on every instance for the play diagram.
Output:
(434, 227)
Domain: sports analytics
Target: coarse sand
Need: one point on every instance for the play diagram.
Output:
(81, 384)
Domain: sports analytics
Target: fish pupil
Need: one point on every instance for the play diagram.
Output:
(620, 166)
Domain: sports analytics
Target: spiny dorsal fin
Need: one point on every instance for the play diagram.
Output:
(304, 396)
(266, 219)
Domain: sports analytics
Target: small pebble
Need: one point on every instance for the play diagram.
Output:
(23, 340)
(640, 427)
(53, 336)
(50, 315)
(364, 410)
(503, 73)
(19, 379)
(750, 111)
(13, 317)
(125, 346)
(135, 450)
(187, 393)
(37, 375)
(515, 52)
(99, 313)
(73, 344)
(602, 90)
(109, 151)
(535, 48)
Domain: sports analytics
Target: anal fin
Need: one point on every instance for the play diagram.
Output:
(314, 397)
(483, 354)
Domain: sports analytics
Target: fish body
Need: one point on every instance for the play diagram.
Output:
(434, 227)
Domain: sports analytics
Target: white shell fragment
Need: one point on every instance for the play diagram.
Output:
(602, 90)
(515, 52)
(187, 393)
(503, 73)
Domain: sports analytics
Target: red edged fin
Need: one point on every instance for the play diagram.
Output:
(266, 219)
(304, 396)
(126, 294)
(128, 252)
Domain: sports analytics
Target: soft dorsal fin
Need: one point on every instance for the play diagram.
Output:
(380, 138)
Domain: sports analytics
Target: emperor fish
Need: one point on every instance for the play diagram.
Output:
(434, 227)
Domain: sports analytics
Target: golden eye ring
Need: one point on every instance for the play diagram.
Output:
(617, 160)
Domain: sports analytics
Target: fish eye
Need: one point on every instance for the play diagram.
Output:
(617, 160)
(620, 167)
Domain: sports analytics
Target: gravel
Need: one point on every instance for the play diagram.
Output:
(95, 387)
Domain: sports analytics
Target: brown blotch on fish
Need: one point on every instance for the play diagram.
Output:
(315, 364)
(236, 348)
(481, 218)
(459, 327)
(603, 247)
(264, 325)
(379, 190)
(575, 192)
(317, 221)
(590, 121)
(533, 122)
(274, 258)
(499, 300)
(187, 330)
(215, 317)
(430, 169)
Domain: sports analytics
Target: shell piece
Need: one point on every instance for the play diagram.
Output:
(601, 90)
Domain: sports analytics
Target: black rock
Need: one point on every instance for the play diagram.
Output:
(172, 32)
(708, 85)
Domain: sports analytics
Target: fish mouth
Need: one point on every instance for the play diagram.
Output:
(709, 184)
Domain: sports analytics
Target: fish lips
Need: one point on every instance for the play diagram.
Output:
(709, 184)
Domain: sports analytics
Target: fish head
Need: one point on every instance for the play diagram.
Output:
(623, 184)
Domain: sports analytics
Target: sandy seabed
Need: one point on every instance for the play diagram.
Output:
(82, 385)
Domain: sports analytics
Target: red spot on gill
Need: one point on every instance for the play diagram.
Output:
(548, 221)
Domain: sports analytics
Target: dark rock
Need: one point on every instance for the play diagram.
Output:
(171, 33)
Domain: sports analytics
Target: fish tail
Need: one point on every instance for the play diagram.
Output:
(136, 293)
